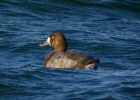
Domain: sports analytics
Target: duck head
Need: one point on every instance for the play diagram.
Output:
(56, 40)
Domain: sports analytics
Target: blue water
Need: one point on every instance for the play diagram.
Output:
(106, 29)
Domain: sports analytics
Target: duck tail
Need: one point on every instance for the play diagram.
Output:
(88, 63)
(91, 63)
(97, 60)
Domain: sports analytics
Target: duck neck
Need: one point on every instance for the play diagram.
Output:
(60, 49)
(49, 56)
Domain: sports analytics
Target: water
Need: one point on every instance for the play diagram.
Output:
(107, 29)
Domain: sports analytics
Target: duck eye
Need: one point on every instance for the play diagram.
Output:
(52, 37)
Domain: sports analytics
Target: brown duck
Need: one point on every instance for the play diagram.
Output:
(61, 58)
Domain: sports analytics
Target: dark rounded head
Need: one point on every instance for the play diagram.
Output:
(56, 40)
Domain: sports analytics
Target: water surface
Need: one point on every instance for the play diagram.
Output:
(106, 29)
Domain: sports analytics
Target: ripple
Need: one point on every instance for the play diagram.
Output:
(103, 29)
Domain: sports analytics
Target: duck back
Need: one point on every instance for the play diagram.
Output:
(72, 59)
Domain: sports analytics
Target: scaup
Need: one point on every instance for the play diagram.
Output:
(61, 58)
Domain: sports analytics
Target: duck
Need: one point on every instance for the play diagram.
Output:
(61, 58)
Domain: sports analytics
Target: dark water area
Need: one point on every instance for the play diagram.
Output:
(106, 29)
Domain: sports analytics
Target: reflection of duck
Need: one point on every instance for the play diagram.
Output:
(60, 58)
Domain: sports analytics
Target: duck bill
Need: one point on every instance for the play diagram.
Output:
(47, 42)
(44, 44)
